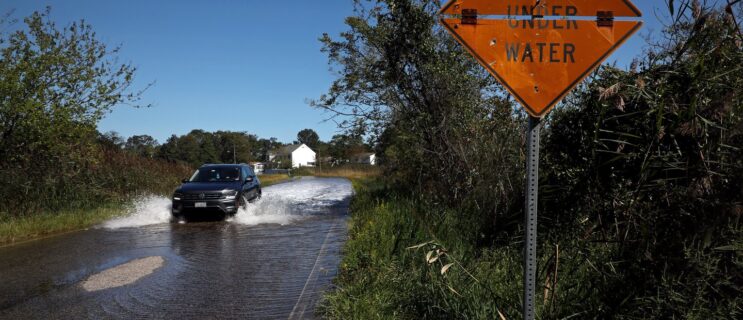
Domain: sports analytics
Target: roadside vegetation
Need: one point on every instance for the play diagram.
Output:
(15, 229)
(269, 179)
(641, 193)
(350, 171)
(58, 172)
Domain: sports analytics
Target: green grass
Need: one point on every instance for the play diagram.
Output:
(270, 179)
(398, 247)
(26, 227)
(384, 273)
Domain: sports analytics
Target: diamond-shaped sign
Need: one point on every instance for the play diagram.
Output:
(580, 8)
(540, 52)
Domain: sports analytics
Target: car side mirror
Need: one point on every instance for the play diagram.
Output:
(249, 179)
(185, 181)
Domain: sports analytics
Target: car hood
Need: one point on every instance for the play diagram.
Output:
(207, 186)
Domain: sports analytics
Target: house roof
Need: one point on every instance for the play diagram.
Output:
(364, 155)
(287, 150)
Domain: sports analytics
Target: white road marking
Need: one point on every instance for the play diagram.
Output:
(300, 314)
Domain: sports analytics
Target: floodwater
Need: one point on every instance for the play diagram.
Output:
(272, 261)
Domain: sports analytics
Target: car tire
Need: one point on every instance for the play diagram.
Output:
(176, 217)
(243, 202)
(258, 195)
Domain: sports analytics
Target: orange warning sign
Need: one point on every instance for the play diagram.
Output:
(539, 60)
(582, 8)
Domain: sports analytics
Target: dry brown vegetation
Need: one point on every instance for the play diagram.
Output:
(350, 172)
(269, 179)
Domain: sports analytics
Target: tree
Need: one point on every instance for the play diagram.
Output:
(169, 150)
(111, 140)
(402, 75)
(342, 146)
(264, 148)
(199, 147)
(55, 85)
(236, 146)
(195, 148)
(308, 137)
(142, 145)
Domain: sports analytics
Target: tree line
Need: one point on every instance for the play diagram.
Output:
(198, 146)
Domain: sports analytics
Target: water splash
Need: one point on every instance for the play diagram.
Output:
(146, 210)
(281, 204)
(271, 209)
(288, 202)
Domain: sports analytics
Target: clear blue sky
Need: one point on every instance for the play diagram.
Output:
(230, 65)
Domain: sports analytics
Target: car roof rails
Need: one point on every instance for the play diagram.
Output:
(224, 164)
(215, 164)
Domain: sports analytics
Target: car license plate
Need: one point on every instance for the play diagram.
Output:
(200, 205)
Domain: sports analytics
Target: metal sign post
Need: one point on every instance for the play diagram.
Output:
(539, 50)
(532, 194)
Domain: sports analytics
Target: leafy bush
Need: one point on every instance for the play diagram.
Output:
(642, 178)
(55, 86)
(650, 164)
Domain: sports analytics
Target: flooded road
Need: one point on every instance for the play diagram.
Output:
(272, 261)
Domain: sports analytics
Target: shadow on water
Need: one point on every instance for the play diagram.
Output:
(208, 215)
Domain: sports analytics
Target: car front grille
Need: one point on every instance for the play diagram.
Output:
(198, 196)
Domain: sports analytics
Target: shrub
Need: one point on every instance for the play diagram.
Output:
(641, 188)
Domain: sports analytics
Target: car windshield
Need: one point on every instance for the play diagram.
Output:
(216, 174)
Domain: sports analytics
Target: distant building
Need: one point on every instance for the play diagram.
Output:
(365, 158)
(299, 155)
(258, 167)
(325, 160)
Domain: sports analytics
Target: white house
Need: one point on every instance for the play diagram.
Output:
(258, 167)
(300, 155)
(366, 158)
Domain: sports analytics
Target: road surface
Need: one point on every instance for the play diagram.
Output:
(272, 261)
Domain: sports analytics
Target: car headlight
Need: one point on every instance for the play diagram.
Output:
(230, 194)
(177, 196)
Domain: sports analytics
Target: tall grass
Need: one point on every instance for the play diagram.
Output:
(640, 197)
(345, 171)
(56, 200)
(19, 228)
(271, 179)
(106, 176)
(399, 265)
(407, 258)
